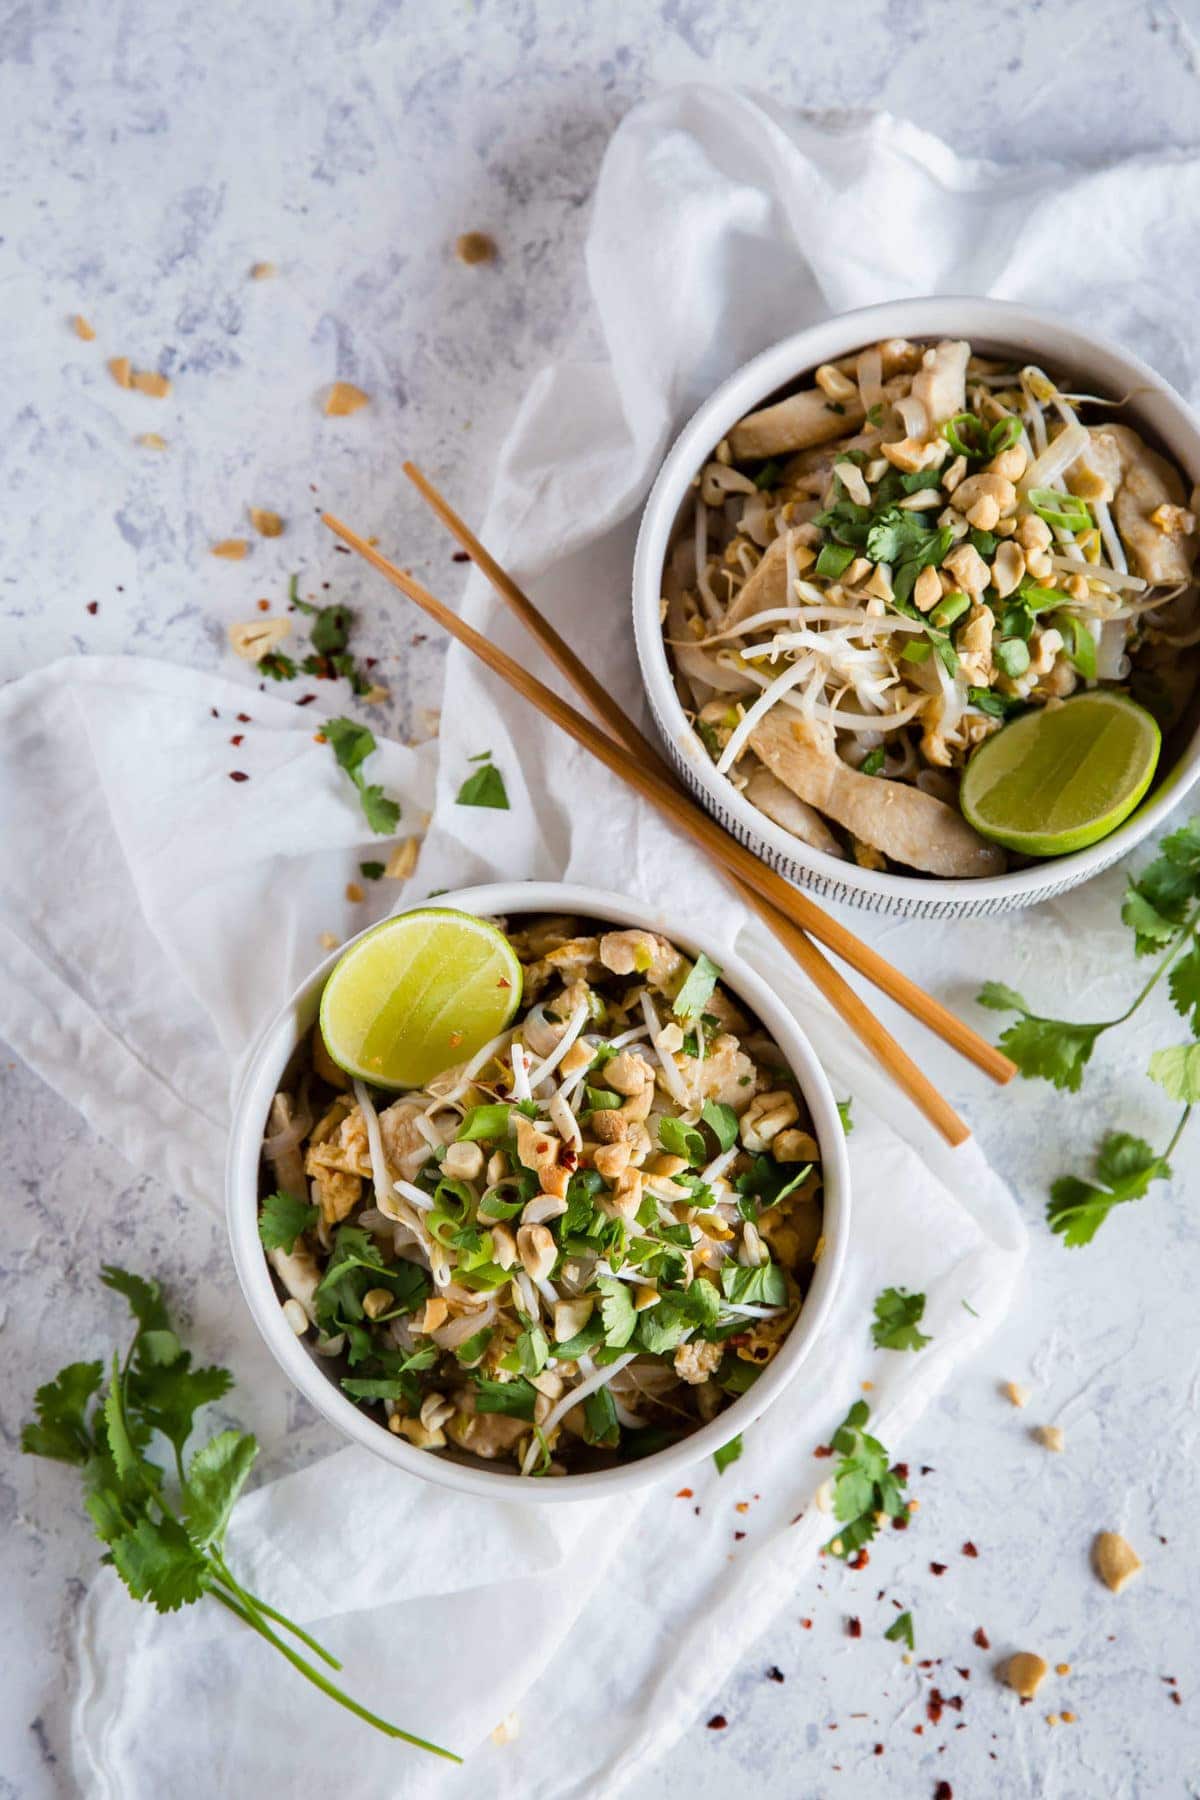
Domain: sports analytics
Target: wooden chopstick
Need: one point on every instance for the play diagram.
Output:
(696, 824)
(841, 996)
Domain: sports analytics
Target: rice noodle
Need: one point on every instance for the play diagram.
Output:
(1120, 580)
(549, 1063)
(1055, 459)
(761, 707)
(380, 1173)
(719, 1164)
(1108, 534)
(676, 1085)
(520, 1069)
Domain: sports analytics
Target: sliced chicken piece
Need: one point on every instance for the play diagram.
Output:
(765, 587)
(726, 1074)
(1149, 481)
(1096, 471)
(793, 424)
(940, 384)
(908, 826)
(779, 803)
(281, 1146)
(404, 1146)
(644, 952)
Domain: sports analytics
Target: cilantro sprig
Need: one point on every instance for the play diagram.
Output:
(164, 1527)
(351, 744)
(897, 1316)
(1162, 909)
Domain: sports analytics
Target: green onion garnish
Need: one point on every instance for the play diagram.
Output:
(1067, 511)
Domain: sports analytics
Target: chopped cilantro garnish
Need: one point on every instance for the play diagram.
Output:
(863, 1484)
(351, 744)
(897, 1316)
(722, 1121)
(515, 1398)
(485, 787)
(372, 871)
(697, 990)
(900, 1631)
(728, 1453)
(681, 1140)
(282, 1219)
(872, 763)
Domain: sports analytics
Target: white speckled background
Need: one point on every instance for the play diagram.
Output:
(152, 153)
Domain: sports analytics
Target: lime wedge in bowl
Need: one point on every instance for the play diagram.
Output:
(418, 994)
(1062, 777)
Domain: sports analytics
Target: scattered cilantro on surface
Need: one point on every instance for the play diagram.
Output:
(351, 744)
(164, 1526)
(900, 1631)
(845, 1114)
(897, 1316)
(1124, 1168)
(863, 1484)
(485, 787)
(728, 1453)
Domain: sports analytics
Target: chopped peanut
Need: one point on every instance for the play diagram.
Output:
(267, 524)
(1116, 1561)
(1017, 1393)
(232, 549)
(1025, 1672)
(344, 398)
(82, 329)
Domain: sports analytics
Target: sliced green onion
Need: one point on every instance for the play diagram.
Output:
(917, 652)
(947, 654)
(768, 475)
(949, 608)
(1003, 435)
(872, 762)
(1012, 656)
(1036, 598)
(1081, 645)
(1067, 511)
(834, 560)
(965, 435)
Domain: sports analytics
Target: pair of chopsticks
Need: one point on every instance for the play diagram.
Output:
(627, 752)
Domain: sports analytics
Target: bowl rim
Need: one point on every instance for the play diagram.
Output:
(257, 1082)
(776, 369)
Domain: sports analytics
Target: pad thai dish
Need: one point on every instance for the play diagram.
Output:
(574, 1249)
(879, 571)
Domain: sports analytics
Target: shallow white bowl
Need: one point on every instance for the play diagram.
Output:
(307, 1372)
(993, 327)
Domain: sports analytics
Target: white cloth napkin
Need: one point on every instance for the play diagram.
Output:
(719, 225)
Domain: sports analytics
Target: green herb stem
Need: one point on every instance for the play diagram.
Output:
(1174, 946)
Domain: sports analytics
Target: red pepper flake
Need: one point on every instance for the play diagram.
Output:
(807, 1624)
(238, 739)
(306, 700)
(567, 1157)
(900, 1522)
(738, 1536)
(1176, 1696)
(370, 661)
(503, 982)
(900, 1471)
(243, 718)
(743, 1506)
(937, 1568)
(861, 1560)
(264, 606)
(933, 1706)
(237, 775)
(1170, 1680)
(684, 1494)
(214, 712)
(774, 1674)
(854, 1628)
(964, 1674)
(696, 1510)
(943, 1791)
(981, 1638)
(918, 1731)
(460, 556)
(342, 549)
(969, 1549)
(823, 1450)
(93, 606)
(718, 1722)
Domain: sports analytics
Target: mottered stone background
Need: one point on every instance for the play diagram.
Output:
(152, 153)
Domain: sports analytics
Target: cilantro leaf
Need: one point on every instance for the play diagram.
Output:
(158, 1562)
(900, 1631)
(728, 1453)
(1184, 984)
(845, 1115)
(1150, 929)
(486, 1122)
(763, 1286)
(472, 1351)
(351, 744)
(372, 871)
(697, 990)
(1177, 1072)
(601, 1425)
(515, 1398)
(144, 1297)
(484, 788)
(1054, 1049)
(769, 1182)
(681, 1140)
(61, 1430)
(216, 1476)
(1125, 1166)
(897, 1316)
(617, 1313)
(863, 1483)
(283, 1219)
(1183, 846)
(722, 1121)
(167, 1399)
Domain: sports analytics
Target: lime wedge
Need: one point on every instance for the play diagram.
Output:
(1063, 777)
(418, 994)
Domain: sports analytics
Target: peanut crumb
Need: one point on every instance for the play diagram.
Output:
(475, 247)
(403, 860)
(327, 941)
(119, 369)
(1017, 1393)
(344, 398)
(150, 440)
(81, 328)
(1024, 1673)
(262, 271)
(1116, 1561)
(354, 893)
(508, 1729)
(914, 1506)
(258, 638)
(375, 696)
(149, 381)
(1062, 1668)
(232, 549)
(867, 1386)
(908, 1659)
(1068, 1718)
(267, 524)
(1052, 1718)
(1050, 1437)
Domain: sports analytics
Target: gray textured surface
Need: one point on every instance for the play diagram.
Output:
(152, 154)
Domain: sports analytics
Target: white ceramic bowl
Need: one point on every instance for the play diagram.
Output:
(263, 1073)
(993, 327)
